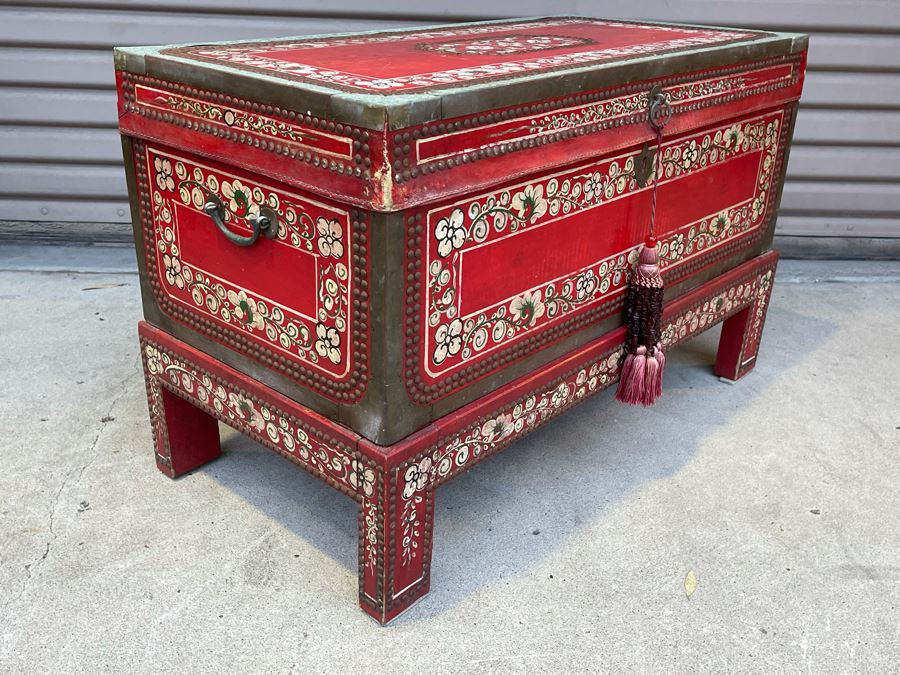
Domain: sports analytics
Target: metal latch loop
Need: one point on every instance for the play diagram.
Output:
(659, 111)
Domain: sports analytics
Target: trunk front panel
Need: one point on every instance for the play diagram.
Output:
(508, 271)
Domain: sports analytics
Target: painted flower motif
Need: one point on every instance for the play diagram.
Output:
(690, 154)
(172, 266)
(416, 477)
(497, 428)
(721, 223)
(530, 203)
(593, 186)
(676, 246)
(154, 362)
(560, 395)
(733, 137)
(383, 84)
(759, 204)
(245, 309)
(585, 284)
(187, 382)
(362, 477)
(527, 307)
(238, 198)
(162, 207)
(164, 173)
(330, 233)
(450, 233)
(448, 340)
(244, 408)
(328, 342)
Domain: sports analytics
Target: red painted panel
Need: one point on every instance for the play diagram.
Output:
(541, 254)
(415, 55)
(288, 296)
(486, 302)
(270, 269)
(441, 56)
(473, 152)
(604, 109)
(248, 122)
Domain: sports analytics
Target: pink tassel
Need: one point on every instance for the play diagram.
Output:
(651, 382)
(661, 359)
(634, 391)
(631, 390)
(625, 370)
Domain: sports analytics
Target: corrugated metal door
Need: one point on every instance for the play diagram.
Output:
(59, 151)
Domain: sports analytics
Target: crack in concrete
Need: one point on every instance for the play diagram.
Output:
(92, 452)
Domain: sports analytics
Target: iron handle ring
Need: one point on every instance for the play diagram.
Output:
(264, 222)
(660, 112)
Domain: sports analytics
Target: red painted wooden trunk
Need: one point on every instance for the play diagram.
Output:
(387, 255)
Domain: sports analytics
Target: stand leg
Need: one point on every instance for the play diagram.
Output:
(396, 525)
(186, 437)
(741, 333)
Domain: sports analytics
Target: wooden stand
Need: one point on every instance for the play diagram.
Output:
(188, 391)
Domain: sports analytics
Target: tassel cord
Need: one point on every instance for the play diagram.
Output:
(650, 331)
(656, 168)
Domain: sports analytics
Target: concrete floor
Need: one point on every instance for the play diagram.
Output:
(567, 553)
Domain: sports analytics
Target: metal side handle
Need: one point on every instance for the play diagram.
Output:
(265, 222)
